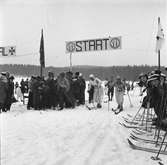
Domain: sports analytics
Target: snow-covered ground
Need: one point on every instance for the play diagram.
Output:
(70, 137)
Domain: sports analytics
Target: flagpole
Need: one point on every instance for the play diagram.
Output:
(159, 57)
(159, 60)
(71, 61)
(41, 71)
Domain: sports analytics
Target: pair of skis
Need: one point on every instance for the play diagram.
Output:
(136, 138)
(153, 150)
(133, 126)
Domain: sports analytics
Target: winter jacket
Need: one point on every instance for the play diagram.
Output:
(3, 90)
(98, 91)
(62, 83)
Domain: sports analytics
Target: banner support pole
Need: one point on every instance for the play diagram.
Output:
(159, 61)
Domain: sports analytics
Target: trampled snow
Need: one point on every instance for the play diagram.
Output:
(70, 137)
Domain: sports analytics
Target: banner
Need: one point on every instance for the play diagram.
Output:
(100, 44)
(8, 51)
(160, 37)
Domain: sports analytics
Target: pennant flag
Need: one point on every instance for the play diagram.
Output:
(159, 37)
(42, 53)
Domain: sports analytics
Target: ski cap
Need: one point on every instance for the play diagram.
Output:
(91, 76)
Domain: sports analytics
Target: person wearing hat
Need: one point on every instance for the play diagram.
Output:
(30, 103)
(98, 92)
(70, 103)
(10, 93)
(18, 92)
(157, 95)
(76, 87)
(51, 93)
(119, 94)
(63, 87)
(82, 87)
(110, 86)
(35, 90)
(3, 92)
(142, 82)
(3, 73)
(91, 85)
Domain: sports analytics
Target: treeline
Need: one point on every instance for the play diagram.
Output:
(128, 72)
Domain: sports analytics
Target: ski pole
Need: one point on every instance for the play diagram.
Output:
(108, 104)
(136, 114)
(131, 105)
(156, 158)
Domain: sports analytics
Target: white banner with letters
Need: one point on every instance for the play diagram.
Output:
(100, 44)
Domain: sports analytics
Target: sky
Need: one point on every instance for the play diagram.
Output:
(72, 20)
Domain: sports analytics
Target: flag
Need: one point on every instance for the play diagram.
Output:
(42, 53)
(159, 37)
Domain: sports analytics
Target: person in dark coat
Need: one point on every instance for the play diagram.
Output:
(22, 84)
(36, 93)
(76, 86)
(82, 86)
(142, 82)
(10, 93)
(110, 86)
(50, 82)
(157, 94)
(70, 103)
(62, 88)
(44, 95)
(30, 94)
(3, 92)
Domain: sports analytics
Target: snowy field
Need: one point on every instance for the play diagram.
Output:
(70, 137)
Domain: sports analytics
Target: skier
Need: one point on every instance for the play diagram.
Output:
(98, 92)
(19, 95)
(10, 93)
(82, 86)
(110, 86)
(119, 94)
(91, 87)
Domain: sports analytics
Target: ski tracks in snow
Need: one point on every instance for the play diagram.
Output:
(78, 137)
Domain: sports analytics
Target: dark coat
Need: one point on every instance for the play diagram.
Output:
(3, 92)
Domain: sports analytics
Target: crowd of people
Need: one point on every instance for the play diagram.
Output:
(67, 90)
(155, 86)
